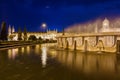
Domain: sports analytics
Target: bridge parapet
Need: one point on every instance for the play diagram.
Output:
(90, 41)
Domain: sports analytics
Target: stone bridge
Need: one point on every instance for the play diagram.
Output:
(106, 42)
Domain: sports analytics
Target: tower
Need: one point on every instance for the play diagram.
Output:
(9, 30)
(105, 24)
(13, 29)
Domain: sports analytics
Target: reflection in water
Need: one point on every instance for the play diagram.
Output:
(69, 65)
(53, 53)
(37, 49)
(44, 56)
(28, 49)
(88, 63)
(12, 53)
(23, 49)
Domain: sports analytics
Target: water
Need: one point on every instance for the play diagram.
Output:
(43, 62)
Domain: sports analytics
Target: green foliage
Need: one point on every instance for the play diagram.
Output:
(3, 33)
(32, 37)
(25, 34)
(40, 38)
(19, 34)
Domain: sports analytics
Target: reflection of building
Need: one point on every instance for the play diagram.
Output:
(88, 63)
(12, 35)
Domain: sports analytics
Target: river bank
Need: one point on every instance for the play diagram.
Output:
(10, 44)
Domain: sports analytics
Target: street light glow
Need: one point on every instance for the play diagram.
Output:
(44, 25)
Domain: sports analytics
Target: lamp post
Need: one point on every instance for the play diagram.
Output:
(44, 25)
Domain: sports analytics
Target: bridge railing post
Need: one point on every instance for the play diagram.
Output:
(82, 40)
(85, 45)
(75, 45)
(118, 46)
(67, 44)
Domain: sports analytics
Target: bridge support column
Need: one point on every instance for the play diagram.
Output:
(75, 45)
(72, 40)
(85, 45)
(67, 44)
(82, 40)
(61, 42)
(97, 38)
(58, 41)
(118, 46)
(101, 45)
(115, 40)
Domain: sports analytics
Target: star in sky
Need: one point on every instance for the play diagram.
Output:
(47, 7)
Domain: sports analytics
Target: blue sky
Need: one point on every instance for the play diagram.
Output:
(56, 13)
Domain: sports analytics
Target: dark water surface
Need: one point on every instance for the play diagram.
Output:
(42, 62)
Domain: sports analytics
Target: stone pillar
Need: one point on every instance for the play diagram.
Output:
(66, 42)
(72, 40)
(58, 41)
(115, 39)
(82, 40)
(67, 45)
(75, 45)
(118, 46)
(85, 45)
(97, 38)
(101, 45)
(61, 42)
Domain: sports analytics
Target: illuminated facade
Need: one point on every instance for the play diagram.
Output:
(108, 40)
(104, 39)
(50, 34)
(106, 27)
(11, 30)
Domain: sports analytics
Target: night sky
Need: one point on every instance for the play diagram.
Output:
(56, 13)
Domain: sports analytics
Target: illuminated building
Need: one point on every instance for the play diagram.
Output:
(107, 28)
(50, 34)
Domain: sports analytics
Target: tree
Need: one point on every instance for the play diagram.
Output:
(32, 37)
(3, 33)
(25, 34)
(19, 34)
(40, 38)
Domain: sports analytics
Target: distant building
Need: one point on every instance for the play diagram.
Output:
(11, 30)
(108, 40)
(50, 34)
(106, 27)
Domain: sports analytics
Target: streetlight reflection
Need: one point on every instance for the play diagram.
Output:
(12, 53)
(44, 56)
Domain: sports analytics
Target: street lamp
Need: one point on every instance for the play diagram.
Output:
(44, 25)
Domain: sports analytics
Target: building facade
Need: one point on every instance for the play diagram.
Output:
(107, 28)
(49, 34)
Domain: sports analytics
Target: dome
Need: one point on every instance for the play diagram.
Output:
(106, 21)
(105, 25)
